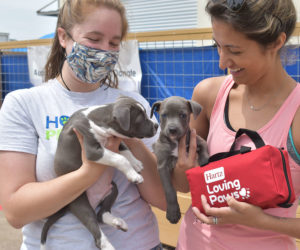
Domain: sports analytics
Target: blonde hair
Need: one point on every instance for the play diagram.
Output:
(260, 20)
(73, 12)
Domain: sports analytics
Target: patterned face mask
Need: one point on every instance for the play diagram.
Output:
(91, 65)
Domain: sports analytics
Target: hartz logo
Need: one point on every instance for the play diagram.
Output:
(213, 175)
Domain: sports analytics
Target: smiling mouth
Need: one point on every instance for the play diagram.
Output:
(235, 70)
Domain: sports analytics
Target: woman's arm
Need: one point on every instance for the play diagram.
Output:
(25, 200)
(151, 189)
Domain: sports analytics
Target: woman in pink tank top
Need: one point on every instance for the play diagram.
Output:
(257, 95)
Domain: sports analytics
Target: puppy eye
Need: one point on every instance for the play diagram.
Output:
(163, 115)
(183, 116)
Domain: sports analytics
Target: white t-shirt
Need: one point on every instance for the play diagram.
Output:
(30, 121)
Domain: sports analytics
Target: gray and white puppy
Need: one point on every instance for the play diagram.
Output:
(125, 118)
(174, 113)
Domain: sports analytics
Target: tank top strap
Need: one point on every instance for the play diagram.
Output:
(221, 98)
(276, 131)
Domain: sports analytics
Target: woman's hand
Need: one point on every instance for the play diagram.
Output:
(185, 161)
(151, 188)
(112, 144)
(236, 213)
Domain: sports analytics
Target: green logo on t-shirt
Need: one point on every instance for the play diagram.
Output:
(54, 126)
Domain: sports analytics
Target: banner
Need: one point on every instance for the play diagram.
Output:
(37, 58)
(128, 67)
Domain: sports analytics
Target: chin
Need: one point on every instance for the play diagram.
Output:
(239, 81)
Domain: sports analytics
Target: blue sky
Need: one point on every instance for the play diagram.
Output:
(19, 19)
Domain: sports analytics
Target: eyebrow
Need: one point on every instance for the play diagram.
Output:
(101, 34)
(228, 45)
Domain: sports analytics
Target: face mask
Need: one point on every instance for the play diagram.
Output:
(91, 65)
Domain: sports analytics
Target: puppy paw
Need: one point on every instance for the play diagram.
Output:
(173, 215)
(137, 165)
(104, 243)
(134, 177)
(120, 224)
(106, 246)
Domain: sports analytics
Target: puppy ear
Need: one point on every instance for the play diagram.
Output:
(195, 108)
(122, 115)
(155, 107)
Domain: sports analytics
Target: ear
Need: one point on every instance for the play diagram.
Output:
(62, 37)
(155, 107)
(195, 108)
(280, 42)
(122, 115)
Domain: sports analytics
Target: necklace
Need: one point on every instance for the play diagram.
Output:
(251, 106)
(64, 82)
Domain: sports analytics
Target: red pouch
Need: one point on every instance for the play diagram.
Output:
(261, 177)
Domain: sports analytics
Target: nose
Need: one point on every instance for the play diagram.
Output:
(223, 60)
(105, 46)
(172, 130)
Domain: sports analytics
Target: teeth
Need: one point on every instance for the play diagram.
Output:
(235, 70)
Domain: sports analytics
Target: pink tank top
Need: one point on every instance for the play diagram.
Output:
(194, 236)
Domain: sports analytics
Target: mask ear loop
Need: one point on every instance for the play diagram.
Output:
(62, 63)
(60, 71)
(64, 81)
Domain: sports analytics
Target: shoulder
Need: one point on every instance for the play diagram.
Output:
(17, 96)
(207, 90)
(210, 85)
(18, 102)
(23, 100)
(20, 94)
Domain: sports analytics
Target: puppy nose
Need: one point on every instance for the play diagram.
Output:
(172, 131)
(156, 126)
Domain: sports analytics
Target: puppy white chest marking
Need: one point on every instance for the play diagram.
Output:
(175, 150)
(101, 133)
